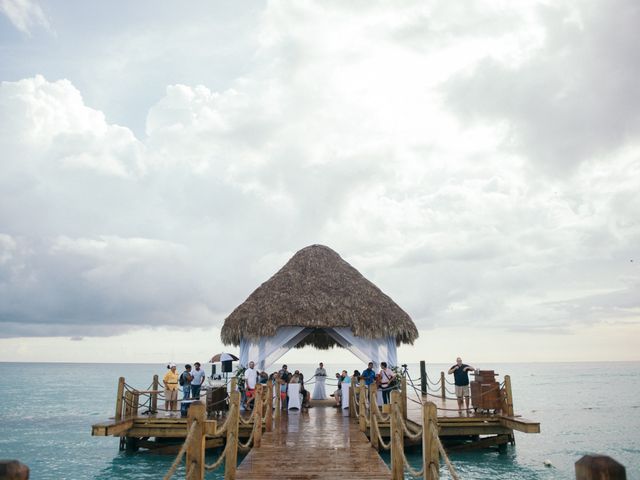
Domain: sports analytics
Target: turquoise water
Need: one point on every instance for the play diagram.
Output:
(48, 410)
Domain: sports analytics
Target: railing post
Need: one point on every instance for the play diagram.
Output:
(423, 377)
(269, 420)
(257, 417)
(119, 395)
(403, 405)
(195, 448)
(352, 397)
(599, 467)
(135, 401)
(507, 390)
(430, 454)
(154, 395)
(362, 407)
(397, 467)
(443, 386)
(373, 409)
(232, 437)
(128, 404)
(234, 384)
(278, 402)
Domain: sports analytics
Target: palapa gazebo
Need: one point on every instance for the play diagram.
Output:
(318, 299)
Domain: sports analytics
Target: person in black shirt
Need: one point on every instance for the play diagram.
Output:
(461, 380)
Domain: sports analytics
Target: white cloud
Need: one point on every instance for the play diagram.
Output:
(24, 14)
(340, 131)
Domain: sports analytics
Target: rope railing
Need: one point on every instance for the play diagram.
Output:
(215, 465)
(183, 450)
(200, 428)
(443, 453)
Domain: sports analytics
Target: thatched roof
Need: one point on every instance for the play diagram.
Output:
(317, 288)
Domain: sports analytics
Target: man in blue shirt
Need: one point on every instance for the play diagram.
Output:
(369, 375)
(197, 379)
(461, 381)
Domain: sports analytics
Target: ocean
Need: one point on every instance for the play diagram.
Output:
(48, 409)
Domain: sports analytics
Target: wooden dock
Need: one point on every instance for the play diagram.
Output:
(321, 443)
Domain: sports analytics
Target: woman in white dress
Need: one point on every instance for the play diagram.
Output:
(318, 391)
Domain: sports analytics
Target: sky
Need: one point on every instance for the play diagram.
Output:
(479, 161)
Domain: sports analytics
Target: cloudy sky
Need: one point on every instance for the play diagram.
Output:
(479, 161)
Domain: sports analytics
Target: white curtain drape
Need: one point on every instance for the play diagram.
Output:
(267, 350)
(374, 350)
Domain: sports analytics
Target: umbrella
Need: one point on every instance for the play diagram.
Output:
(223, 357)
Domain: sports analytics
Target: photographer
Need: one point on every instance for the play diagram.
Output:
(461, 380)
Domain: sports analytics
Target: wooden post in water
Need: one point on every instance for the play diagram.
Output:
(396, 440)
(430, 453)
(373, 408)
(154, 395)
(257, 417)
(232, 437)
(269, 420)
(443, 386)
(13, 470)
(119, 395)
(362, 407)
(403, 404)
(599, 467)
(352, 397)
(195, 448)
(423, 377)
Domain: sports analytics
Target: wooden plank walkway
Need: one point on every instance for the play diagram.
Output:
(323, 443)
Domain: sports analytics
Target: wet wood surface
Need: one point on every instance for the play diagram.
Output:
(321, 443)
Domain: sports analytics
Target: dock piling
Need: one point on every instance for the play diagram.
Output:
(269, 414)
(443, 386)
(373, 407)
(231, 460)
(430, 452)
(397, 463)
(195, 449)
(423, 377)
(599, 467)
(154, 396)
(257, 417)
(119, 395)
(13, 470)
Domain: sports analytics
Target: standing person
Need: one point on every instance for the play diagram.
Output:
(197, 379)
(319, 392)
(369, 375)
(251, 379)
(170, 381)
(461, 381)
(185, 382)
(386, 377)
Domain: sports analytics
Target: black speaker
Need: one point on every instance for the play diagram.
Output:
(226, 366)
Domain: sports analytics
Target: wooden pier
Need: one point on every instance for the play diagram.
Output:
(321, 443)
(339, 441)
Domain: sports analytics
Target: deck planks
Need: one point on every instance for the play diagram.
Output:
(323, 443)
